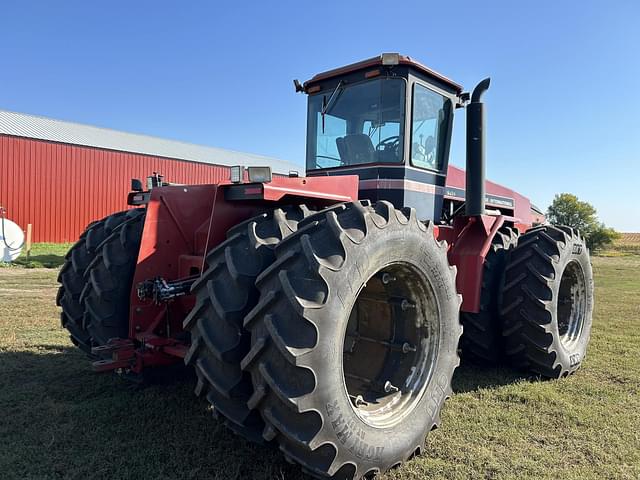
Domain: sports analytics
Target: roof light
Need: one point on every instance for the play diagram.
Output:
(236, 174)
(390, 58)
(259, 174)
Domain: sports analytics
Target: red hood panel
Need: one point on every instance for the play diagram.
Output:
(522, 205)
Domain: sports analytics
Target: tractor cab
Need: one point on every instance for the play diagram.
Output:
(388, 120)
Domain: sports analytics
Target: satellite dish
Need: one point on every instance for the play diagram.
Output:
(11, 240)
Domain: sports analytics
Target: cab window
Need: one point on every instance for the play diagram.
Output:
(428, 128)
(355, 124)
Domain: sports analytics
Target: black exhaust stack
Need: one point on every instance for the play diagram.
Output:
(475, 186)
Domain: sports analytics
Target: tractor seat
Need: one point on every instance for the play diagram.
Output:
(356, 148)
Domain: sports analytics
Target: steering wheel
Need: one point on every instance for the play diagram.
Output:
(389, 143)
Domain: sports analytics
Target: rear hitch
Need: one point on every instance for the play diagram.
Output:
(162, 291)
(117, 353)
(129, 358)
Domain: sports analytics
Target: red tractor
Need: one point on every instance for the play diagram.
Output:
(326, 313)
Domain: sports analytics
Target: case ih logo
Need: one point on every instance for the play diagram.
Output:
(491, 199)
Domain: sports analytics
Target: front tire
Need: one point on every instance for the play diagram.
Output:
(547, 302)
(354, 340)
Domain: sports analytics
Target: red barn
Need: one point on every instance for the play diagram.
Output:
(59, 176)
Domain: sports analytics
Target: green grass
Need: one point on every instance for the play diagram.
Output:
(43, 255)
(61, 421)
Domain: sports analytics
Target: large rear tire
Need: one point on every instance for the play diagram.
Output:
(109, 278)
(547, 301)
(72, 277)
(481, 342)
(225, 293)
(354, 340)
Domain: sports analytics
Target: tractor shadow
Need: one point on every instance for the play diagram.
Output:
(61, 420)
(40, 261)
(470, 378)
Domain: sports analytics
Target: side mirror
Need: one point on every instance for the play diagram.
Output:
(136, 185)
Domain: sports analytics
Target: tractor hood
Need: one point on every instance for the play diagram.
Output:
(497, 196)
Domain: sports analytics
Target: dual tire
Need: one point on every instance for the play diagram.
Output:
(536, 303)
(95, 280)
(343, 355)
(547, 302)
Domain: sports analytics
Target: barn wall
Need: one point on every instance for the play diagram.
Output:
(60, 188)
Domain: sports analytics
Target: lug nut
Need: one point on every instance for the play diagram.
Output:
(359, 401)
(407, 347)
(406, 305)
(389, 387)
(387, 278)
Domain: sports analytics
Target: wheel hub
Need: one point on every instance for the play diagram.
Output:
(572, 304)
(390, 344)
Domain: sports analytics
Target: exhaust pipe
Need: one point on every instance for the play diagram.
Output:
(475, 185)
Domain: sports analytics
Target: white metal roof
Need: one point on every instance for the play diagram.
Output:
(43, 128)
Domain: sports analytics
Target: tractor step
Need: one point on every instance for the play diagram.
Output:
(122, 353)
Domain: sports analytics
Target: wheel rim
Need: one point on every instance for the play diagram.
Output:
(390, 344)
(572, 304)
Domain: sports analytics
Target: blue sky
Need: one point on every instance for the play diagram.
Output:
(563, 104)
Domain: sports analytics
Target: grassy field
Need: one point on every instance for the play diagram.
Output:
(61, 421)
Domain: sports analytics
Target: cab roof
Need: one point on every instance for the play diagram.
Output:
(378, 61)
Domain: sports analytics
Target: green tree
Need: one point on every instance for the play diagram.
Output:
(567, 209)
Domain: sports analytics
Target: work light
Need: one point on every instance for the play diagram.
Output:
(259, 174)
(390, 58)
(236, 174)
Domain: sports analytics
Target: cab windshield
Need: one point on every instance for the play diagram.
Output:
(356, 124)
